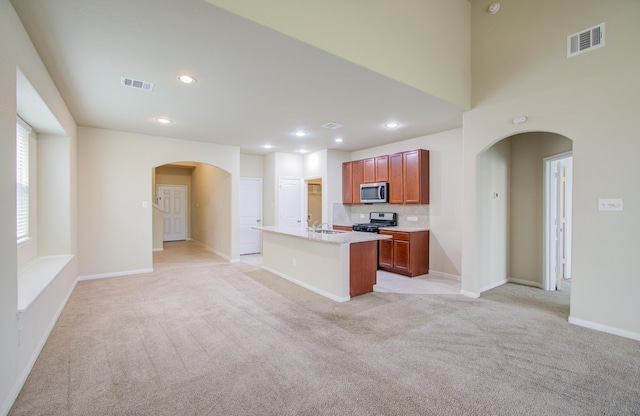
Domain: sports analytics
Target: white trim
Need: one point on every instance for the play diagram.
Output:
(605, 328)
(470, 294)
(13, 394)
(216, 252)
(36, 276)
(525, 282)
(494, 285)
(116, 274)
(445, 275)
(306, 286)
(158, 249)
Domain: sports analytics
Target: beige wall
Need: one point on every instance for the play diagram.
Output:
(251, 166)
(114, 174)
(21, 339)
(422, 43)
(211, 204)
(591, 99)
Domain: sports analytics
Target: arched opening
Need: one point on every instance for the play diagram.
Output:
(511, 200)
(192, 202)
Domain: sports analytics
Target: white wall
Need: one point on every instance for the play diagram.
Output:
(591, 99)
(32, 329)
(114, 171)
(251, 166)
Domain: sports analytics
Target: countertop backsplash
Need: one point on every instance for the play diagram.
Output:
(353, 214)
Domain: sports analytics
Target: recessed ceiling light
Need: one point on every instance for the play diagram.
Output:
(302, 151)
(392, 124)
(186, 79)
(300, 133)
(267, 146)
(163, 120)
(338, 140)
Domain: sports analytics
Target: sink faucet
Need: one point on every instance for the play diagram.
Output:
(313, 226)
(324, 223)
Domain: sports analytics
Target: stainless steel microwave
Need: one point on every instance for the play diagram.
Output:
(371, 193)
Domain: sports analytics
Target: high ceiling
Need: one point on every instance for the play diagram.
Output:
(255, 86)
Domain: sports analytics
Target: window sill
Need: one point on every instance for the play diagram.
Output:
(35, 276)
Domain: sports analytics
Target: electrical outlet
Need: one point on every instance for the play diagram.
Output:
(412, 218)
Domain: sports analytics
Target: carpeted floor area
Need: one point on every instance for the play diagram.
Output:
(211, 338)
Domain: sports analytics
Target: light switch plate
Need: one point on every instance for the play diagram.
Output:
(610, 204)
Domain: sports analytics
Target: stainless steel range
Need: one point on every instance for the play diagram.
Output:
(377, 220)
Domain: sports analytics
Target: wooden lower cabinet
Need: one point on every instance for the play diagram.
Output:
(407, 253)
(362, 267)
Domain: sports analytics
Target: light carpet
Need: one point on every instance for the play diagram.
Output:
(210, 338)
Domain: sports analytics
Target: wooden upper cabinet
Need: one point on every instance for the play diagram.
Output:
(382, 168)
(396, 185)
(357, 178)
(369, 170)
(347, 187)
(416, 176)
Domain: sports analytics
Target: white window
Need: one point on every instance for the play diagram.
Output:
(23, 130)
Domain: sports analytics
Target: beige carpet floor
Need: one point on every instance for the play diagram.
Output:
(204, 337)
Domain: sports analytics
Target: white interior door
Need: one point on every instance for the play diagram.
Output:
(173, 200)
(558, 180)
(250, 215)
(289, 202)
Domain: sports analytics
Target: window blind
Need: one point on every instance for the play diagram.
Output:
(22, 179)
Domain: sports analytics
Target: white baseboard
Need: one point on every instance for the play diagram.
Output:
(470, 294)
(116, 274)
(158, 249)
(306, 286)
(525, 282)
(605, 328)
(446, 275)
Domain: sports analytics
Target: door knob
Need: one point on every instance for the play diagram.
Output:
(258, 220)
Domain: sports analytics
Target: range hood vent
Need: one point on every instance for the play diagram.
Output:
(140, 85)
(585, 40)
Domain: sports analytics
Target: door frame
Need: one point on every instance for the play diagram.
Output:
(305, 198)
(550, 204)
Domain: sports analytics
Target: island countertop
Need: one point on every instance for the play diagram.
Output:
(346, 237)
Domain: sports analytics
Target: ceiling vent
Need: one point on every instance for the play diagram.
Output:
(585, 40)
(141, 85)
(332, 126)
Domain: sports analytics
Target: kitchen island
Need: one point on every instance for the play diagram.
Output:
(335, 264)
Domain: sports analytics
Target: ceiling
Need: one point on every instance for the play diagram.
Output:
(255, 86)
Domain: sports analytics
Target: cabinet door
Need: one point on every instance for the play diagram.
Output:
(382, 168)
(401, 255)
(416, 177)
(357, 179)
(347, 187)
(369, 171)
(396, 179)
(385, 254)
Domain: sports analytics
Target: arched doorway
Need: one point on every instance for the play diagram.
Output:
(207, 205)
(511, 200)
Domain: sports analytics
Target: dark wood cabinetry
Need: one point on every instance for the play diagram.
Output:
(362, 267)
(347, 187)
(407, 253)
(406, 172)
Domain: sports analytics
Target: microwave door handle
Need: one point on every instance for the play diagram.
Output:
(381, 193)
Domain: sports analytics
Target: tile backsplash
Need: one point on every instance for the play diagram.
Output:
(353, 214)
